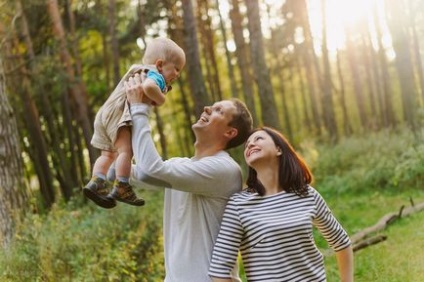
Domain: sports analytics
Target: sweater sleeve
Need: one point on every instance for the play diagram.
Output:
(328, 225)
(208, 175)
(227, 245)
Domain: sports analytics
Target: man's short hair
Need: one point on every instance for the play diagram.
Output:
(242, 121)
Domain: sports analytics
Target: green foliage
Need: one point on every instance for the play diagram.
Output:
(381, 161)
(75, 243)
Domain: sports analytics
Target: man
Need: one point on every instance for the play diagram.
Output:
(197, 188)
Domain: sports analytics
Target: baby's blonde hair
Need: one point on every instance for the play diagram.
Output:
(162, 48)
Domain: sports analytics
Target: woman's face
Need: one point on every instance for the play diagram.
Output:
(259, 148)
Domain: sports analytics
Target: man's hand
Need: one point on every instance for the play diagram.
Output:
(134, 89)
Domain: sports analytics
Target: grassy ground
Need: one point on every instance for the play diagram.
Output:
(400, 257)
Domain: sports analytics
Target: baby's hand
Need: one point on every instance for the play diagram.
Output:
(134, 89)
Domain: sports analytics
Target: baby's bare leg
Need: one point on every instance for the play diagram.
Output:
(122, 190)
(125, 153)
(103, 162)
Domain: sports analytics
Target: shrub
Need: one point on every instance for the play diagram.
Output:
(381, 161)
(88, 244)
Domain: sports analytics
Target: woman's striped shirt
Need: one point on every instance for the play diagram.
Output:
(274, 236)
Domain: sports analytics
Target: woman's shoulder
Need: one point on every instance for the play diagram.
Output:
(312, 192)
(244, 195)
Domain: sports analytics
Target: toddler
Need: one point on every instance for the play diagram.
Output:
(162, 63)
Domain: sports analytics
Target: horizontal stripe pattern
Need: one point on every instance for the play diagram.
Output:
(274, 236)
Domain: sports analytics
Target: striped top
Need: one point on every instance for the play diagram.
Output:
(274, 236)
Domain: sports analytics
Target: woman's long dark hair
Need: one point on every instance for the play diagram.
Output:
(294, 175)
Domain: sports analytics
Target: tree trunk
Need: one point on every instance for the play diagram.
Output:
(207, 38)
(416, 47)
(180, 127)
(327, 98)
(114, 41)
(313, 72)
(356, 79)
(76, 88)
(403, 60)
(376, 81)
(266, 94)
(287, 121)
(66, 165)
(385, 101)
(367, 55)
(345, 116)
(306, 120)
(293, 93)
(13, 193)
(243, 60)
(162, 138)
(37, 149)
(232, 78)
(176, 31)
(312, 90)
(70, 167)
(106, 59)
(189, 140)
(195, 77)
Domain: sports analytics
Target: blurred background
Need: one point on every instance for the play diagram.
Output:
(343, 80)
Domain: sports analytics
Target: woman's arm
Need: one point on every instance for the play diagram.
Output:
(215, 279)
(345, 263)
(225, 252)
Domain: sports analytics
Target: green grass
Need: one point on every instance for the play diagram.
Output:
(399, 258)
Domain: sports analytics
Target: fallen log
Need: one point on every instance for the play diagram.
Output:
(368, 242)
(385, 221)
(359, 239)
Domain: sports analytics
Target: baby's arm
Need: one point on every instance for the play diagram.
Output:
(153, 92)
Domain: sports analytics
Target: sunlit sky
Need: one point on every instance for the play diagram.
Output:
(340, 14)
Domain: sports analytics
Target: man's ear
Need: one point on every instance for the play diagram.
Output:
(231, 133)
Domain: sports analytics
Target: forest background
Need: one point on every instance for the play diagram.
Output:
(343, 80)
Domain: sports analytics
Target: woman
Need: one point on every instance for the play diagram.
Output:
(271, 221)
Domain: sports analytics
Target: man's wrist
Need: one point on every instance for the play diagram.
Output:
(140, 108)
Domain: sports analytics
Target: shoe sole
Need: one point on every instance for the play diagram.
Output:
(128, 202)
(103, 202)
